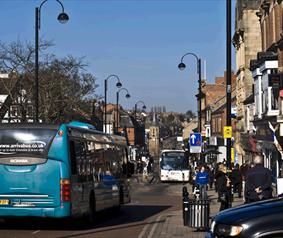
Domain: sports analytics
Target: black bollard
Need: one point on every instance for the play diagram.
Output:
(185, 206)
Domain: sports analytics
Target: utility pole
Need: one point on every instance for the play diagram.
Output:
(228, 88)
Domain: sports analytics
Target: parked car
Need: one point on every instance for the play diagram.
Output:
(260, 219)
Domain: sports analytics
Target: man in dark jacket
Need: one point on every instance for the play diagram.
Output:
(258, 182)
(236, 180)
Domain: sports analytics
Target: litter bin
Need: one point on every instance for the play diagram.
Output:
(199, 213)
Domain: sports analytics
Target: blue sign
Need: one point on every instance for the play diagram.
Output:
(195, 139)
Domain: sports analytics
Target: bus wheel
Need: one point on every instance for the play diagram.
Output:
(92, 209)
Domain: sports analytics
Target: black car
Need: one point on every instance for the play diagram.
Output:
(260, 219)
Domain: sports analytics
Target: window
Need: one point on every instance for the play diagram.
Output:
(26, 142)
(274, 99)
(73, 158)
(29, 111)
(13, 111)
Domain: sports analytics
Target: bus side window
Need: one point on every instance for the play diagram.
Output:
(73, 158)
(99, 162)
(80, 153)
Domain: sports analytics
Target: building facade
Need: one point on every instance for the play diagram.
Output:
(268, 81)
(247, 42)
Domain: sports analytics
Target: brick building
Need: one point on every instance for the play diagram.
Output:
(215, 110)
(212, 93)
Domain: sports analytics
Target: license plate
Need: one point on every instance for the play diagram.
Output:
(4, 202)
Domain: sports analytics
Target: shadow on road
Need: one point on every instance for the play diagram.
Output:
(104, 222)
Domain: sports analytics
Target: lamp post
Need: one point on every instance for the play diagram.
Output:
(182, 66)
(228, 89)
(117, 105)
(62, 18)
(136, 106)
(118, 85)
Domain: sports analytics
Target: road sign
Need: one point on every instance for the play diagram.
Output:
(227, 131)
(195, 139)
(195, 143)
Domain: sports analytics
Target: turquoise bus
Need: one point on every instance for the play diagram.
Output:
(68, 170)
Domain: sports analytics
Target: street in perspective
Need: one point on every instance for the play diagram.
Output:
(141, 119)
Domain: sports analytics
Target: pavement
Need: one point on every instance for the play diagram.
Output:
(170, 224)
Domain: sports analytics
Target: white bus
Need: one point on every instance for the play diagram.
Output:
(174, 166)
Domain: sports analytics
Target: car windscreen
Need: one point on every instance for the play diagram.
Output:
(174, 161)
(25, 142)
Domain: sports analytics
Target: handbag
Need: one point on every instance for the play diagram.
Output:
(223, 198)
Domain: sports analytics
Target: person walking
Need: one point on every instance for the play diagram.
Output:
(202, 179)
(236, 180)
(211, 176)
(193, 178)
(258, 181)
(223, 183)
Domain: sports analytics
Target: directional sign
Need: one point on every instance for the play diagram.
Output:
(195, 143)
(195, 139)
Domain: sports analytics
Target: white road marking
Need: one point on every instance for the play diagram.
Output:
(143, 231)
(35, 232)
(145, 228)
(154, 227)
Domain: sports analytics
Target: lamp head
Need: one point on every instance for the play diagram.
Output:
(181, 66)
(119, 85)
(144, 107)
(128, 95)
(63, 17)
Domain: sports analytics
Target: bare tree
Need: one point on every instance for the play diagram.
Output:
(64, 84)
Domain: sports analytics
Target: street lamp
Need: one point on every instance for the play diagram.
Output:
(228, 88)
(62, 18)
(136, 105)
(182, 66)
(117, 105)
(118, 85)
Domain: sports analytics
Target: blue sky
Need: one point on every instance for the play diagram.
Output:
(140, 41)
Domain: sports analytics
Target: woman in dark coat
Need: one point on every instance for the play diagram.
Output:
(223, 184)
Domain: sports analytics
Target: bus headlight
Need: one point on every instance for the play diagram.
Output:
(228, 230)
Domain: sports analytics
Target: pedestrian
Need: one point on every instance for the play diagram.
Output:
(193, 178)
(243, 171)
(236, 180)
(216, 175)
(223, 184)
(149, 165)
(155, 173)
(258, 181)
(211, 174)
(202, 179)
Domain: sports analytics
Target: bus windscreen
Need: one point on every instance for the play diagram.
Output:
(25, 142)
(174, 161)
